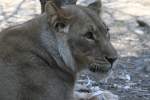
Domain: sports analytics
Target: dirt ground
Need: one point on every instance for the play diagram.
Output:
(129, 22)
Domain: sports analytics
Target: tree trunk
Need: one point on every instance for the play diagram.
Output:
(62, 2)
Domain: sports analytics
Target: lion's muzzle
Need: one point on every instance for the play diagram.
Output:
(102, 67)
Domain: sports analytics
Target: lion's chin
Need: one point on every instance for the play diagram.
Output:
(97, 76)
(98, 71)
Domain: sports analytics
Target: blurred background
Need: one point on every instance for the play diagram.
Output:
(129, 23)
(17, 11)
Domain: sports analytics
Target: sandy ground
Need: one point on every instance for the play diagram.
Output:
(131, 77)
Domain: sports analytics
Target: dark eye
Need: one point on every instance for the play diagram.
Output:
(108, 35)
(59, 25)
(107, 29)
(89, 35)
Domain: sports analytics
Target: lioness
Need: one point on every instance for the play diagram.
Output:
(39, 59)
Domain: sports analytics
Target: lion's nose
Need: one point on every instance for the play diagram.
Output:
(111, 60)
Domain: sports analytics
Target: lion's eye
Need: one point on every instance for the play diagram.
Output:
(107, 29)
(89, 35)
(60, 25)
(108, 35)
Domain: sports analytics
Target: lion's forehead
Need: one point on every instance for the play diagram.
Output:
(81, 12)
(87, 15)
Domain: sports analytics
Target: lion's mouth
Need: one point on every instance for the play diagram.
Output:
(100, 67)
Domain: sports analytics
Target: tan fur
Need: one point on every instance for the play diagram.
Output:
(39, 59)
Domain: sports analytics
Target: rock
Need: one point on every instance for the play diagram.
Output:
(85, 2)
(85, 91)
(139, 31)
(147, 65)
(143, 21)
(105, 95)
(144, 24)
(147, 68)
(124, 76)
(99, 95)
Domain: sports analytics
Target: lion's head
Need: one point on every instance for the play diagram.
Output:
(83, 38)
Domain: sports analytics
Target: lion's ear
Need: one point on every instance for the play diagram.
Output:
(57, 17)
(92, 4)
(65, 52)
(52, 7)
